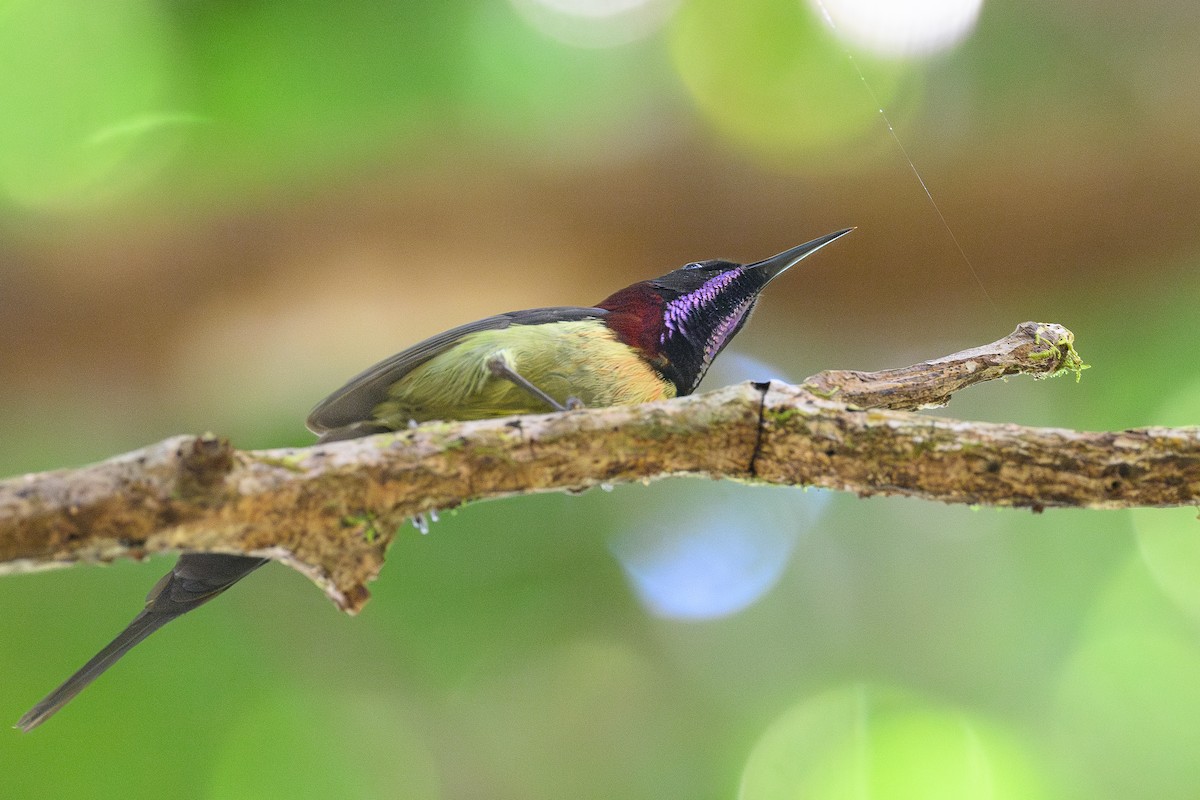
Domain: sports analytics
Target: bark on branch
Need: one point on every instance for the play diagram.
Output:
(330, 510)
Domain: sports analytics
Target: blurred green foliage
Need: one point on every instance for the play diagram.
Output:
(777, 94)
(890, 649)
(87, 98)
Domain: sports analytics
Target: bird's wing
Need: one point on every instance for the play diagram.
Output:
(355, 401)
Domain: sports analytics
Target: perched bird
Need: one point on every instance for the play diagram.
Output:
(649, 341)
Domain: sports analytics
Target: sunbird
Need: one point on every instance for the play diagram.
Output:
(653, 340)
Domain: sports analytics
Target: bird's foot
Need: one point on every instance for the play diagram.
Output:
(500, 368)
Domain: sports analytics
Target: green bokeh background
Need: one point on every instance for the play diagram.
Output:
(211, 214)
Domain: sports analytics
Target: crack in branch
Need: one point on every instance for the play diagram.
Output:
(763, 387)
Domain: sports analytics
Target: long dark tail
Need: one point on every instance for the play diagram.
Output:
(195, 579)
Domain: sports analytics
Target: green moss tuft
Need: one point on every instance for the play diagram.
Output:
(1063, 350)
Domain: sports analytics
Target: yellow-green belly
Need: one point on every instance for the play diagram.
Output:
(581, 359)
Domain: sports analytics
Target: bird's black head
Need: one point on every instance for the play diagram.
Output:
(684, 319)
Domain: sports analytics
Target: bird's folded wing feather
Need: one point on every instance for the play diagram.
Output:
(355, 401)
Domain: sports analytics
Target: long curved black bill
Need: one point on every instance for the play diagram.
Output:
(775, 266)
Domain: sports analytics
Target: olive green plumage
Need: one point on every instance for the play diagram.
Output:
(580, 359)
(565, 352)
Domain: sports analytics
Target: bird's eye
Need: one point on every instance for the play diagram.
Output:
(693, 265)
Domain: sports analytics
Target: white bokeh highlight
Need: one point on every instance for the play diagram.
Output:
(900, 28)
(595, 23)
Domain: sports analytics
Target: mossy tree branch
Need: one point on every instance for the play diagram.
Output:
(330, 510)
